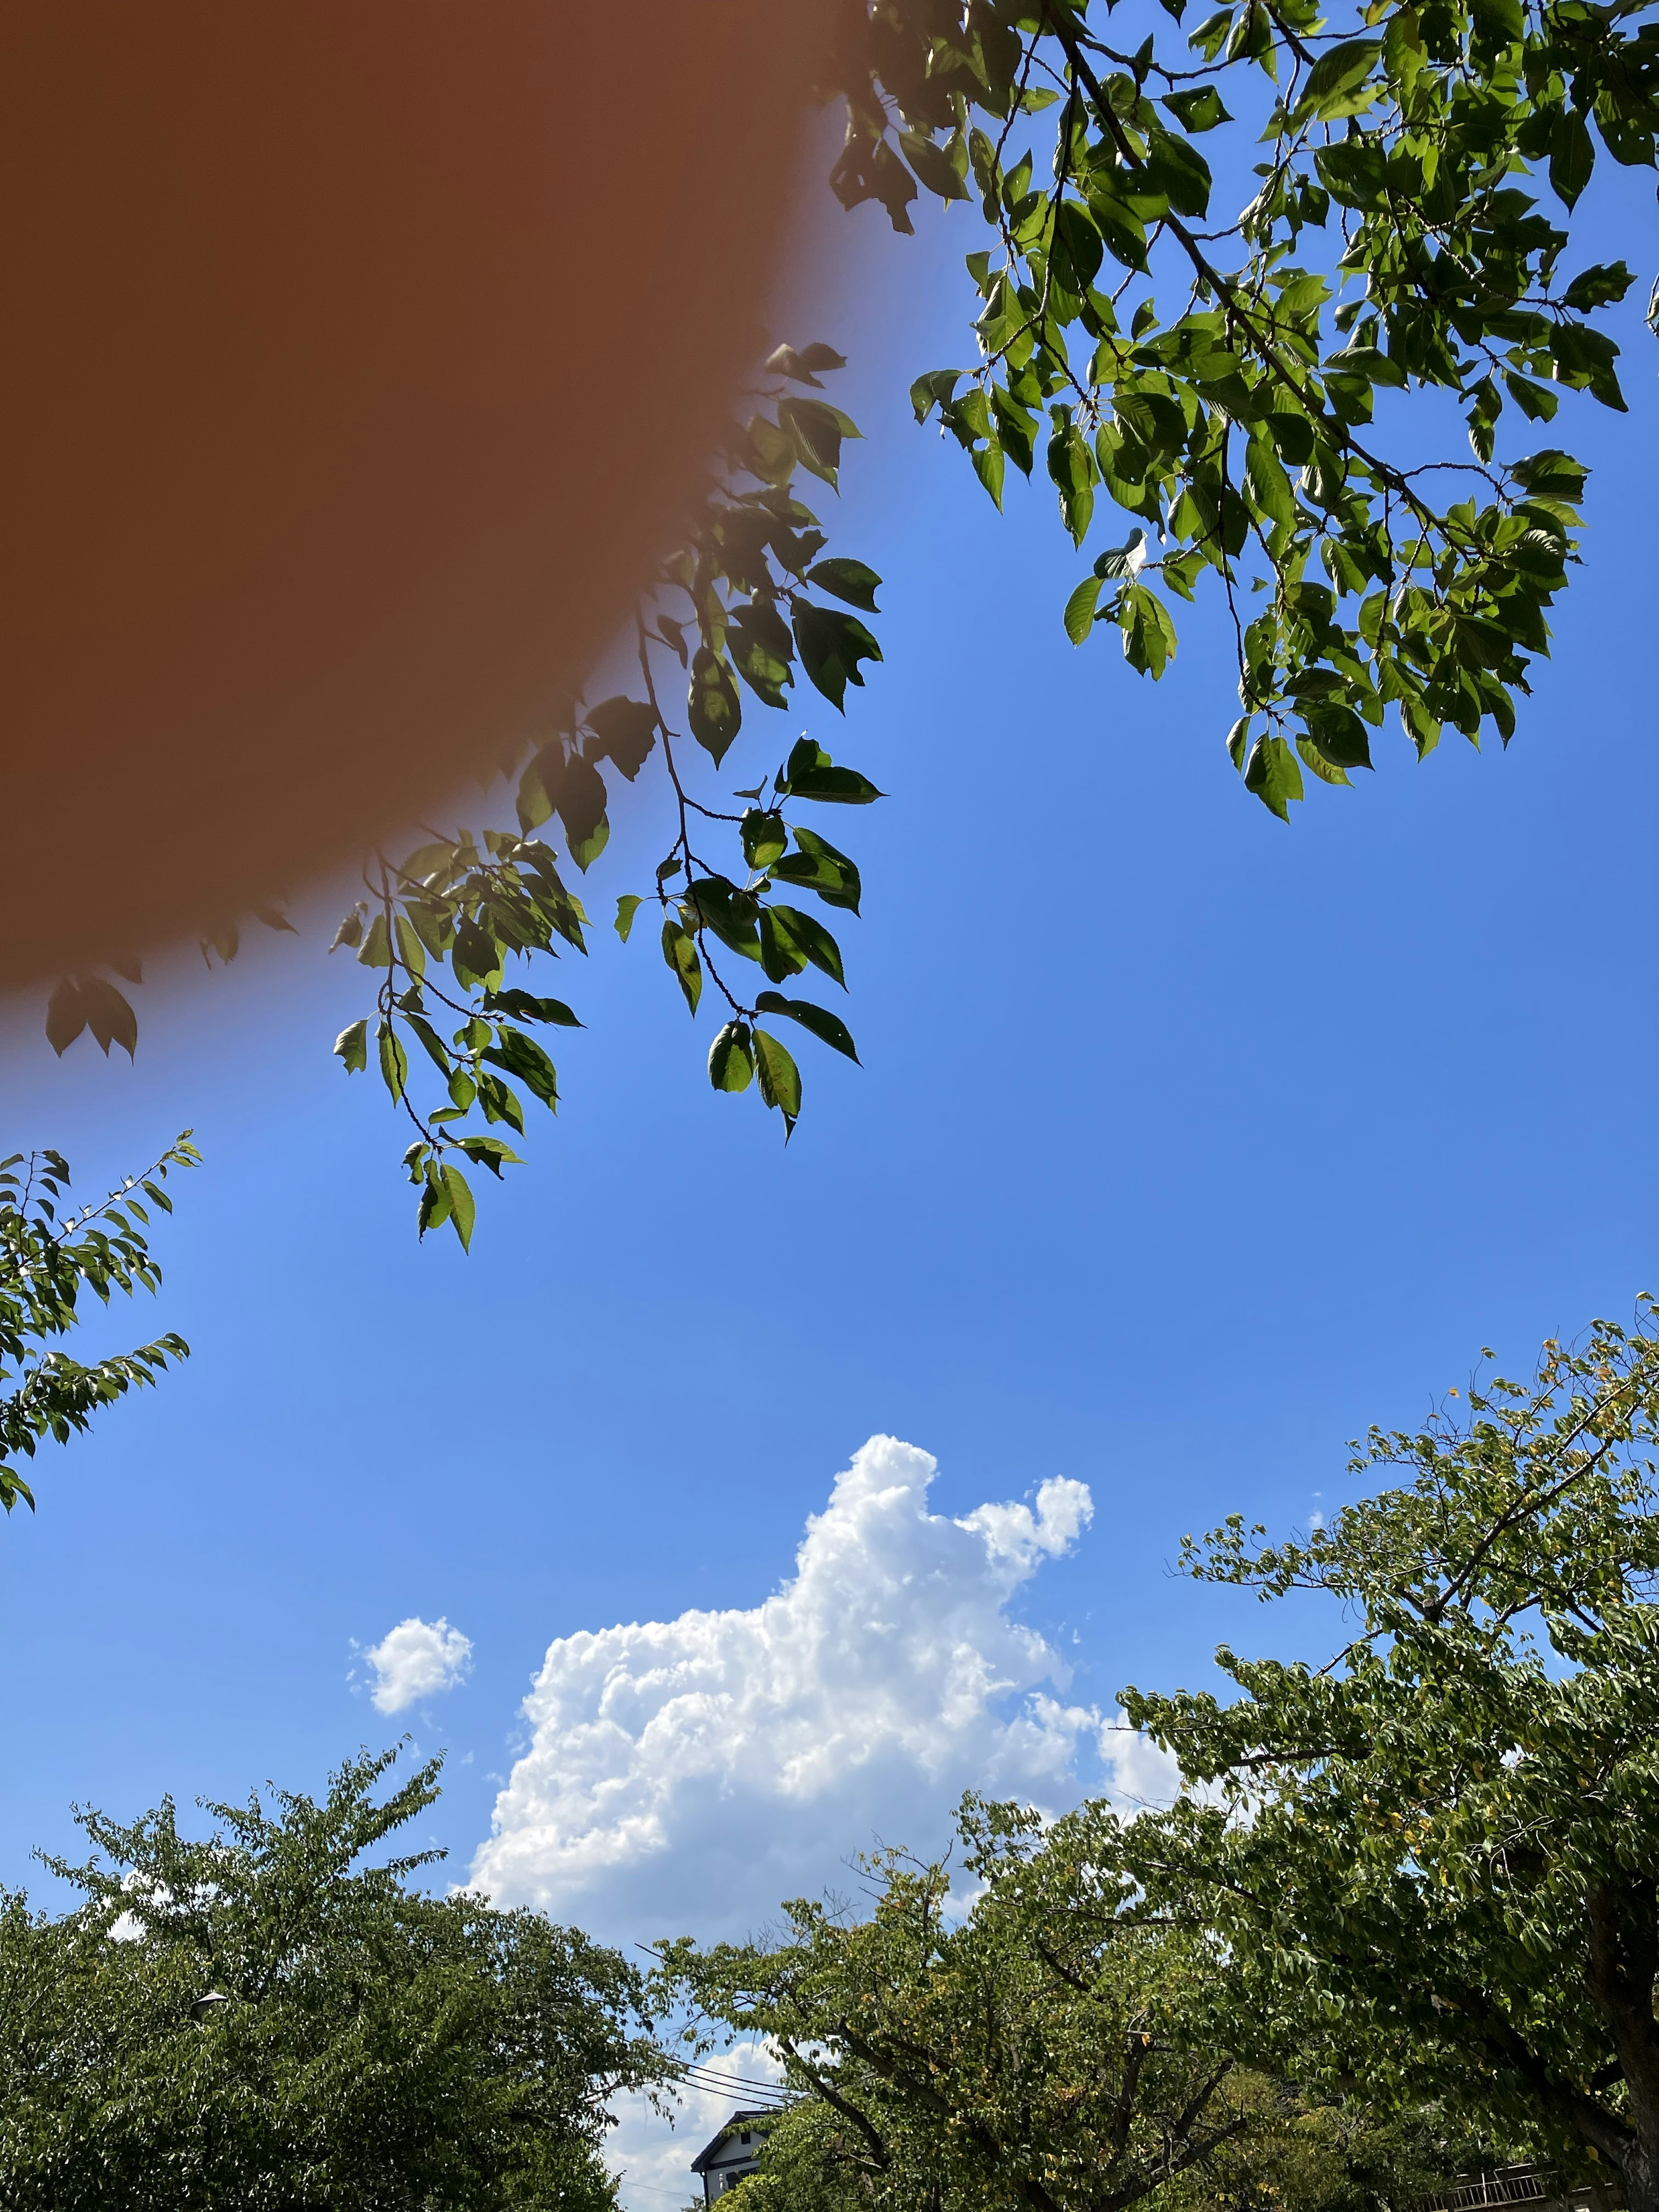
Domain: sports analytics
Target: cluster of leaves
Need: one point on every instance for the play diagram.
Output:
(88, 1003)
(375, 2045)
(1433, 1863)
(1046, 2050)
(744, 601)
(1215, 381)
(48, 1256)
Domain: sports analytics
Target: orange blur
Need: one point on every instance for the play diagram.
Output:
(356, 357)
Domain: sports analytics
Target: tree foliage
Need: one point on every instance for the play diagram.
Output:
(1433, 1863)
(747, 603)
(1043, 2051)
(379, 2047)
(1216, 377)
(1260, 396)
(49, 1255)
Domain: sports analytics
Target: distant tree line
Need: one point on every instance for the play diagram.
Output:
(1401, 1920)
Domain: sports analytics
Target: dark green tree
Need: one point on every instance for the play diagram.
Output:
(366, 2046)
(49, 1253)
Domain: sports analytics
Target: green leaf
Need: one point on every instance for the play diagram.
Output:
(731, 1061)
(1079, 617)
(1572, 156)
(626, 907)
(491, 1153)
(810, 773)
(462, 1209)
(832, 644)
(818, 866)
(1337, 74)
(1338, 734)
(376, 951)
(851, 580)
(790, 938)
(498, 1101)
(1076, 254)
(410, 950)
(1552, 473)
(817, 431)
(932, 390)
(828, 1028)
(578, 797)
(758, 642)
(1179, 172)
(717, 904)
(89, 1002)
(1071, 471)
(525, 1008)
(474, 955)
(525, 1060)
(1211, 34)
(1268, 481)
(1313, 759)
(1537, 402)
(989, 467)
(679, 949)
(1272, 774)
(66, 1016)
(352, 1046)
(713, 713)
(1149, 634)
(779, 1078)
(394, 1061)
(764, 836)
(1200, 110)
(942, 169)
(1598, 287)
(626, 731)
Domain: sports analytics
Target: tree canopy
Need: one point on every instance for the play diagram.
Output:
(1031, 2043)
(1434, 1861)
(276, 2017)
(1261, 395)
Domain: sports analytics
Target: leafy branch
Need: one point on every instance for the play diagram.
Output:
(743, 598)
(1231, 428)
(45, 1263)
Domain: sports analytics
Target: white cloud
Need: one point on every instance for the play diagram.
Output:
(416, 1659)
(687, 1775)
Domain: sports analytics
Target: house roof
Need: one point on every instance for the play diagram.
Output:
(708, 2155)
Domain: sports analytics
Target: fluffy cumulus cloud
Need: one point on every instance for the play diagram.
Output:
(416, 1659)
(689, 1774)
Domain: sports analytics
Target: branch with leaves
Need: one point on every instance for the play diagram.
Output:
(1415, 164)
(1216, 384)
(49, 1255)
(745, 599)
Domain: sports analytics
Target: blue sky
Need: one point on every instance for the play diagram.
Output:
(1185, 1146)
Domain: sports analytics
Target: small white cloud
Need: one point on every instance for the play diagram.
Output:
(690, 1774)
(417, 1659)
